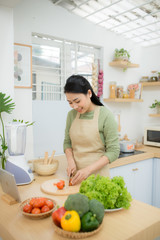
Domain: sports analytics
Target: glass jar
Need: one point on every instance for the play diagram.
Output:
(144, 79)
(119, 91)
(125, 95)
(112, 87)
(154, 76)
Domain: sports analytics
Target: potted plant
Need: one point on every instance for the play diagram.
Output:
(121, 54)
(6, 105)
(156, 105)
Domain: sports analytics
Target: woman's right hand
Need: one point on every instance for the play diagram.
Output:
(71, 169)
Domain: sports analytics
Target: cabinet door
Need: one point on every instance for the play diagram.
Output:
(138, 179)
(156, 182)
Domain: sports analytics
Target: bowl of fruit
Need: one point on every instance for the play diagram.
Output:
(79, 217)
(38, 207)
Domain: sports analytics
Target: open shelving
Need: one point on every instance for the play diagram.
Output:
(123, 64)
(122, 100)
(145, 84)
(154, 115)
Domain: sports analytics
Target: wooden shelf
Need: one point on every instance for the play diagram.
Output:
(154, 115)
(123, 64)
(122, 100)
(145, 84)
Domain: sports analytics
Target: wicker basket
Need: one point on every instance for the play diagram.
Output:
(74, 235)
(40, 215)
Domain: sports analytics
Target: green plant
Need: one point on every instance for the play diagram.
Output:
(155, 104)
(26, 123)
(6, 105)
(121, 53)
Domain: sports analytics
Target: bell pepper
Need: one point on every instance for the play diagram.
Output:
(89, 222)
(57, 215)
(71, 221)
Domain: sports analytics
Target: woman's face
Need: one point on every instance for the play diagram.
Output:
(80, 102)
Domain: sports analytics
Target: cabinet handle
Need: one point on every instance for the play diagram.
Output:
(135, 169)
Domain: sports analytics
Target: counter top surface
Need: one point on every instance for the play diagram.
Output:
(140, 222)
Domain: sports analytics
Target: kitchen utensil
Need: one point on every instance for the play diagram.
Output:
(51, 158)
(75, 235)
(40, 215)
(46, 158)
(127, 146)
(49, 188)
(16, 163)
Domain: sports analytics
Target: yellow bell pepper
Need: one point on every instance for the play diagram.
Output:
(71, 221)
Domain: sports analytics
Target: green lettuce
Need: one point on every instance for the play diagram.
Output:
(112, 193)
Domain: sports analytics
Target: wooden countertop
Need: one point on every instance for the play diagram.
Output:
(140, 222)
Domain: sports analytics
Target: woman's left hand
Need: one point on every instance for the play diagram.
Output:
(80, 176)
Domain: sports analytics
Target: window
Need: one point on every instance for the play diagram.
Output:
(54, 60)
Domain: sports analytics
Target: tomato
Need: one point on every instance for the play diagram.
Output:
(60, 185)
(27, 208)
(32, 201)
(63, 182)
(36, 211)
(39, 202)
(57, 215)
(50, 204)
(44, 209)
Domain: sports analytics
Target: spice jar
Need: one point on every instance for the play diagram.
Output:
(119, 91)
(154, 76)
(125, 95)
(112, 87)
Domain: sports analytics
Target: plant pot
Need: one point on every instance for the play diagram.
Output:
(131, 93)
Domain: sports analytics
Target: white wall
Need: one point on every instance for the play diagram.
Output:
(43, 17)
(6, 55)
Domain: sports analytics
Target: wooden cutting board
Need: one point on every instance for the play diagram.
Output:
(50, 188)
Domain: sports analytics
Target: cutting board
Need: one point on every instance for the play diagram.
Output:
(50, 188)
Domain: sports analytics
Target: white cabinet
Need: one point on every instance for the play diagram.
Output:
(138, 179)
(156, 182)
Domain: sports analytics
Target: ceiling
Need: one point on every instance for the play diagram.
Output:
(137, 20)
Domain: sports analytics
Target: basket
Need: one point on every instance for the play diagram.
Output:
(40, 215)
(75, 235)
(45, 169)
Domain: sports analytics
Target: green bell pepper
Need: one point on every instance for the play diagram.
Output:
(89, 222)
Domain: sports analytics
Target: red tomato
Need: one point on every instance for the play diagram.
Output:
(36, 211)
(32, 201)
(44, 209)
(39, 202)
(60, 185)
(50, 204)
(63, 182)
(27, 208)
(57, 215)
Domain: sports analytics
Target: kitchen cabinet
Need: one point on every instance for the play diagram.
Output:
(138, 179)
(156, 182)
(154, 115)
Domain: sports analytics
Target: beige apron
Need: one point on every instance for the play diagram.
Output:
(86, 142)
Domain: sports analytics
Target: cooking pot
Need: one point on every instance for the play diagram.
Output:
(127, 146)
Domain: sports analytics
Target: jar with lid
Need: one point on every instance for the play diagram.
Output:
(144, 79)
(119, 91)
(112, 87)
(154, 76)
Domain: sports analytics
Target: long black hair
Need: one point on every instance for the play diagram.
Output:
(79, 84)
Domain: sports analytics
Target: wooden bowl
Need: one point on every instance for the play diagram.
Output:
(75, 235)
(45, 169)
(40, 215)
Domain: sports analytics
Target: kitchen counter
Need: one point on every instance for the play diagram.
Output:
(140, 222)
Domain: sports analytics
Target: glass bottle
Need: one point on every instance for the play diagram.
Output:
(112, 87)
(119, 91)
(154, 76)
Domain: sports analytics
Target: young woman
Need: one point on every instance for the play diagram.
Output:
(91, 136)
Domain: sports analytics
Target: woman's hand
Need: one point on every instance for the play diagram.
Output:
(71, 167)
(81, 175)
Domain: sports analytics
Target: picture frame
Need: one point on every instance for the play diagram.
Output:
(22, 66)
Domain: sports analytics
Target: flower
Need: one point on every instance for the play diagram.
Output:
(134, 87)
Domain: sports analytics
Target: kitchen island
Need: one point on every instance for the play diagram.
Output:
(140, 222)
